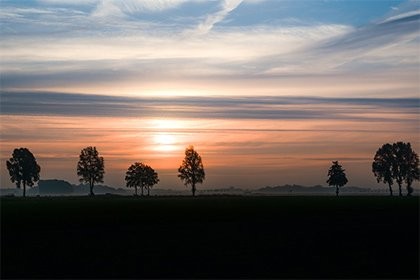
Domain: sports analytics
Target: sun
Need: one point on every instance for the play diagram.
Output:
(165, 141)
(166, 136)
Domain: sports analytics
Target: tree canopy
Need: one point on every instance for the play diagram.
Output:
(382, 165)
(90, 167)
(336, 176)
(397, 162)
(23, 168)
(191, 171)
(141, 175)
(412, 172)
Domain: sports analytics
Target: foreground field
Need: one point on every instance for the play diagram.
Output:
(229, 237)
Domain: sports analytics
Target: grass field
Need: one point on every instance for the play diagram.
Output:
(210, 237)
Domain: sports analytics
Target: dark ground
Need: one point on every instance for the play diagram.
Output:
(210, 237)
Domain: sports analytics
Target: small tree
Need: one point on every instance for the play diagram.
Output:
(399, 166)
(141, 175)
(191, 171)
(405, 167)
(151, 178)
(337, 177)
(90, 167)
(382, 166)
(413, 172)
(23, 168)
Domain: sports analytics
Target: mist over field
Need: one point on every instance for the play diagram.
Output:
(63, 188)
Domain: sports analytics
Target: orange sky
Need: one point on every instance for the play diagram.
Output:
(244, 153)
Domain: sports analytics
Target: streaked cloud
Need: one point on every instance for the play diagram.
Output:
(262, 107)
(77, 48)
(227, 6)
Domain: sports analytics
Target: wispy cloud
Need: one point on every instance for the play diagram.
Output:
(78, 50)
(362, 109)
(127, 5)
(109, 8)
(212, 19)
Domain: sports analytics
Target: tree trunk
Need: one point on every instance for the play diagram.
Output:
(193, 189)
(409, 190)
(399, 188)
(390, 189)
(141, 190)
(148, 191)
(91, 187)
(336, 191)
(135, 187)
(24, 189)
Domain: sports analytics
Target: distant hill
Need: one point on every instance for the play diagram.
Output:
(100, 189)
(53, 187)
(60, 187)
(229, 190)
(313, 189)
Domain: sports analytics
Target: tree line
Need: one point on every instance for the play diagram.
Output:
(24, 170)
(395, 162)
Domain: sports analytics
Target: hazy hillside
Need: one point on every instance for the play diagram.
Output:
(55, 187)
(61, 187)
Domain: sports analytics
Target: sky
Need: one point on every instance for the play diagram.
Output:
(269, 92)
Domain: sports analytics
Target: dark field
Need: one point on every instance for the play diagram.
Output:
(210, 237)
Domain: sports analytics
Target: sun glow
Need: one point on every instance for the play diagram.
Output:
(164, 139)
(165, 142)
(167, 124)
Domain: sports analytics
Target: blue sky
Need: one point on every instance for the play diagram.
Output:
(137, 47)
(274, 81)
(246, 13)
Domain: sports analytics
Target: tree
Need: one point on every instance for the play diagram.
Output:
(405, 167)
(382, 166)
(191, 171)
(151, 178)
(23, 168)
(413, 172)
(90, 167)
(141, 175)
(337, 177)
(396, 162)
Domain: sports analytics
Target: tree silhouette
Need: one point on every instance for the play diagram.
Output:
(151, 178)
(191, 171)
(23, 168)
(141, 175)
(337, 177)
(413, 172)
(396, 162)
(90, 167)
(405, 167)
(382, 166)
